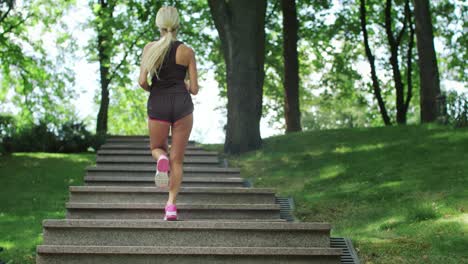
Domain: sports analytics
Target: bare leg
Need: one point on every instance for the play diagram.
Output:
(180, 134)
(158, 133)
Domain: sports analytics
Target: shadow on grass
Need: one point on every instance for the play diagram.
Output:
(35, 187)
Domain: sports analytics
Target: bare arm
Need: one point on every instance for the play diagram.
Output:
(193, 74)
(143, 79)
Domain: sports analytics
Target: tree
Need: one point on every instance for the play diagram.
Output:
(371, 58)
(241, 28)
(428, 70)
(104, 13)
(291, 66)
(395, 44)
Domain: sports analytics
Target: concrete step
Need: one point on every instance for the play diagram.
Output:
(184, 211)
(195, 195)
(147, 152)
(135, 139)
(185, 233)
(140, 146)
(149, 181)
(149, 171)
(149, 160)
(58, 254)
(129, 136)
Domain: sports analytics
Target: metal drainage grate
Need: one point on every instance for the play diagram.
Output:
(349, 255)
(286, 208)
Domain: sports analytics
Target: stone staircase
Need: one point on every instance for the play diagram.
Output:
(116, 217)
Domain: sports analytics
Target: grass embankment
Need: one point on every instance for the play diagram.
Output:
(400, 193)
(34, 186)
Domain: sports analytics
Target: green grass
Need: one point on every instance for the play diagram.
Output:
(34, 186)
(400, 193)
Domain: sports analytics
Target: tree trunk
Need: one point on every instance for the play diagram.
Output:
(241, 28)
(292, 113)
(371, 58)
(104, 38)
(428, 70)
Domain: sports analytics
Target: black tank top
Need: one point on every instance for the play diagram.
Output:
(171, 74)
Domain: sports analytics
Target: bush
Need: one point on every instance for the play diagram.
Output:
(70, 137)
(457, 109)
(6, 130)
(74, 137)
(32, 138)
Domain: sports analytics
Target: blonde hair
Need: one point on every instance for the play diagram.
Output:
(167, 19)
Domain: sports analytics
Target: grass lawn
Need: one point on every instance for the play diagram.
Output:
(400, 193)
(34, 186)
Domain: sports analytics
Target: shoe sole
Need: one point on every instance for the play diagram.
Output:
(161, 178)
(170, 215)
(170, 218)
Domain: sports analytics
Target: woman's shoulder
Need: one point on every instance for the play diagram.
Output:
(186, 48)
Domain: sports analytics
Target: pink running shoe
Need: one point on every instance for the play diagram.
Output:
(161, 177)
(171, 212)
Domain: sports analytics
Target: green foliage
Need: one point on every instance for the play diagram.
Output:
(335, 90)
(398, 192)
(450, 22)
(34, 82)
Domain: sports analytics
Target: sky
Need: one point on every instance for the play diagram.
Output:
(208, 121)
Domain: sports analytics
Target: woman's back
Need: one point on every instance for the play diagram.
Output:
(171, 74)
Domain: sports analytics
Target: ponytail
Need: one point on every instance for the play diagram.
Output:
(167, 19)
(153, 59)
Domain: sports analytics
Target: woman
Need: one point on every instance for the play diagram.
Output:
(169, 61)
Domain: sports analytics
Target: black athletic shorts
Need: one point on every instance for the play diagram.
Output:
(169, 106)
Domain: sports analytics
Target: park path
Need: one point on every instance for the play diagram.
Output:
(116, 217)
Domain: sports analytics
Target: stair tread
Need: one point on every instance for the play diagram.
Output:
(147, 152)
(181, 206)
(141, 144)
(182, 189)
(148, 160)
(146, 179)
(191, 224)
(292, 251)
(152, 168)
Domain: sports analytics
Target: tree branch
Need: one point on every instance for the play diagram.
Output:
(10, 7)
(403, 29)
(114, 72)
(9, 29)
(272, 11)
(388, 23)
